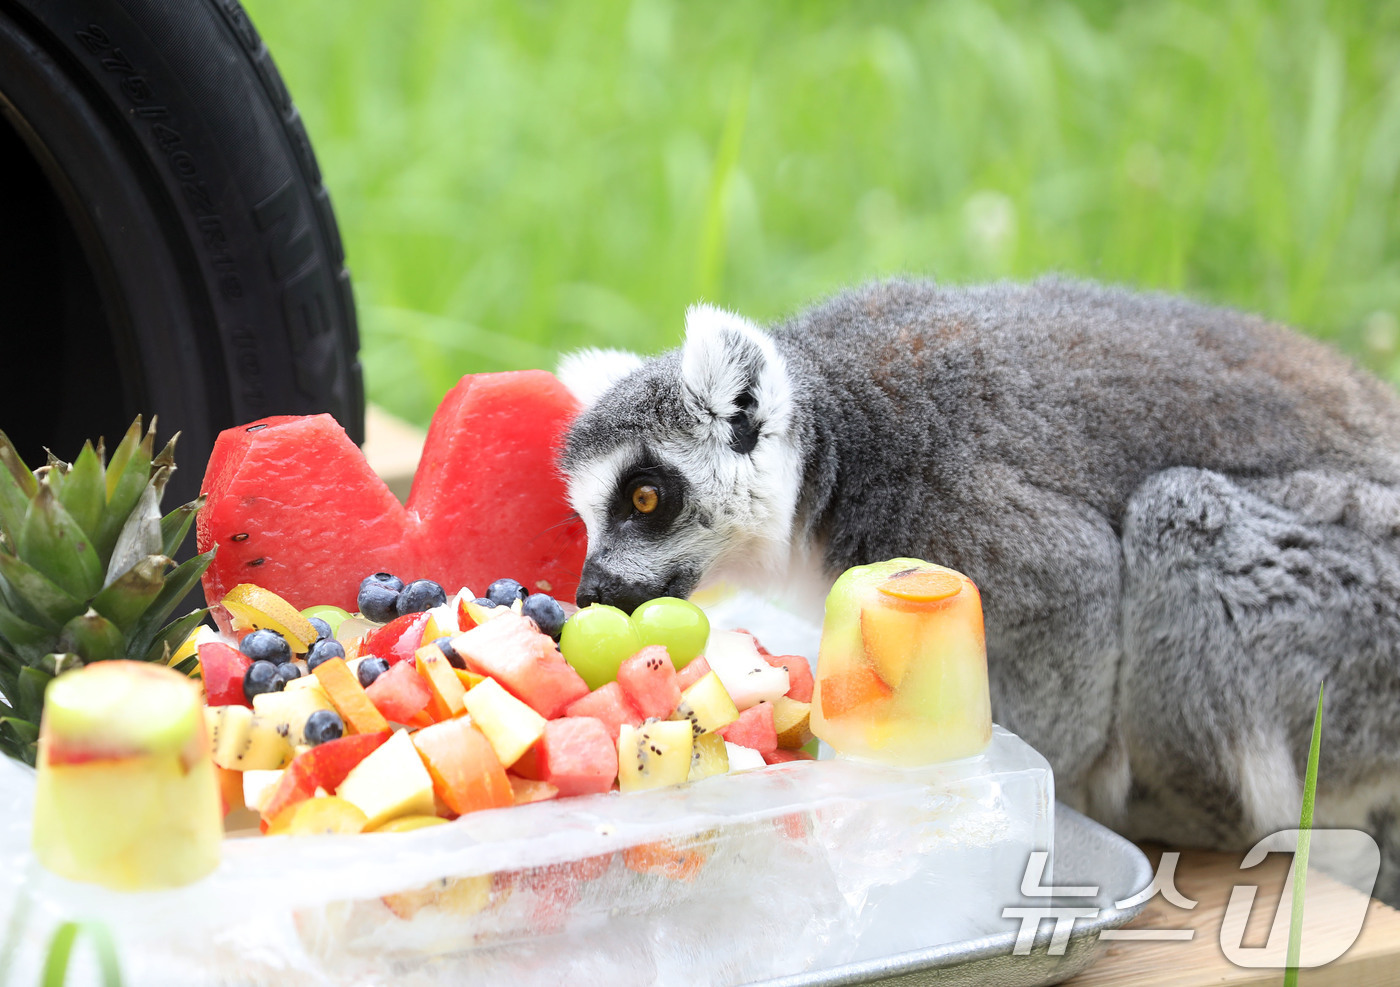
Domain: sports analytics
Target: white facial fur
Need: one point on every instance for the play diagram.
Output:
(588, 373)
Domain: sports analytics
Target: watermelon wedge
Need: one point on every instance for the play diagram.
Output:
(488, 499)
(294, 507)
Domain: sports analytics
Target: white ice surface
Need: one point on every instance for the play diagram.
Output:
(796, 867)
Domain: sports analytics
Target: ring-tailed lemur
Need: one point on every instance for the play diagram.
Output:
(1181, 518)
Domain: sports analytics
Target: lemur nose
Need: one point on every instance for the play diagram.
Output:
(598, 586)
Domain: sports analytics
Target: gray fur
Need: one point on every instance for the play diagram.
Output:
(1181, 518)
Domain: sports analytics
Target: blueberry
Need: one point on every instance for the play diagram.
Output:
(261, 677)
(450, 653)
(377, 601)
(420, 595)
(323, 629)
(383, 579)
(288, 671)
(323, 725)
(323, 651)
(370, 669)
(546, 612)
(266, 645)
(482, 601)
(505, 592)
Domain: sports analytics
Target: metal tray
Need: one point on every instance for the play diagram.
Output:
(1085, 854)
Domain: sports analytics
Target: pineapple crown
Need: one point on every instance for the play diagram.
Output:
(86, 572)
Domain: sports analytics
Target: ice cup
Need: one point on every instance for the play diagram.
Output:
(126, 794)
(902, 669)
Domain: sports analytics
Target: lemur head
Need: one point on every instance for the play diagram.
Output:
(683, 466)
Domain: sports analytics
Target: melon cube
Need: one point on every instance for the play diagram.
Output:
(695, 670)
(648, 680)
(511, 726)
(511, 650)
(792, 720)
(753, 729)
(466, 773)
(445, 687)
(609, 705)
(348, 697)
(577, 755)
(390, 782)
(707, 706)
(709, 757)
(743, 758)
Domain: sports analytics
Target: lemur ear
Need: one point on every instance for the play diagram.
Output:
(732, 377)
(589, 373)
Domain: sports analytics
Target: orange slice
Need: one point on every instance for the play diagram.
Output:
(924, 586)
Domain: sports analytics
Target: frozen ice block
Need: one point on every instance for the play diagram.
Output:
(902, 671)
(126, 794)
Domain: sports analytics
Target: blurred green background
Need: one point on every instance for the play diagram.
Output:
(519, 177)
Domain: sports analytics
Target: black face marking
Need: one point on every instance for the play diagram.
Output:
(669, 488)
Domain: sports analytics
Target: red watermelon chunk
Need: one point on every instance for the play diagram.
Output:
(294, 508)
(488, 500)
(753, 729)
(400, 693)
(577, 756)
(511, 649)
(782, 756)
(799, 674)
(695, 670)
(609, 705)
(649, 681)
(396, 640)
(222, 669)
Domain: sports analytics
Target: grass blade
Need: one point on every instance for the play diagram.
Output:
(61, 951)
(1300, 856)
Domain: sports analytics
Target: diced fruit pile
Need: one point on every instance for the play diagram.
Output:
(423, 707)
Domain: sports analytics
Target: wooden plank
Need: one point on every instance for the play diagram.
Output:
(1208, 878)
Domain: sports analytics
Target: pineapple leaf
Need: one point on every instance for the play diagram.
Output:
(188, 666)
(92, 637)
(19, 739)
(29, 692)
(175, 525)
(35, 597)
(139, 537)
(127, 477)
(178, 582)
(174, 635)
(125, 599)
(21, 638)
(52, 542)
(17, 486)
(56, 665)
(84, 492)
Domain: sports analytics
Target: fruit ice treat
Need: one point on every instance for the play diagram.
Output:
(126, 794)
(902, 672)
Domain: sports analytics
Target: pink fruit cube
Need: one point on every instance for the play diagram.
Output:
(511, 650)
(649, 681)
(696, 670)
(609, 705)
(753, 729)
(799, 675)
(577, 755)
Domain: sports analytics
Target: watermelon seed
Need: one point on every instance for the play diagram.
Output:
(254, 428)
(257, 562)
(241, 536)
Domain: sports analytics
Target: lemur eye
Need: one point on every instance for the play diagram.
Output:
(645, 498)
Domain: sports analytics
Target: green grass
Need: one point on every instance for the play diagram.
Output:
(518, 177)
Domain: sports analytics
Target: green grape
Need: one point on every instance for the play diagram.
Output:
(598, 639)
(331, 615)
(678, 625)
